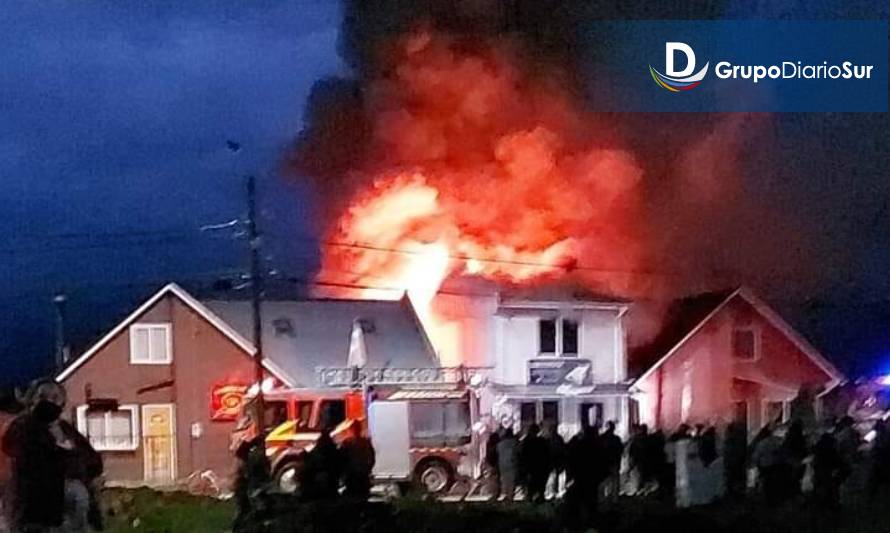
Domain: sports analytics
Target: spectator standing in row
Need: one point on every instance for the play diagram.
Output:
(584, 471)
(358, 463)
(827, 472)
(636, 458)
(534, 463)
(507, 454)
(879, 476)
(492, 464)
(735, 459)
(558, 456)
(322, 470)
(613, 450)
(796, 451)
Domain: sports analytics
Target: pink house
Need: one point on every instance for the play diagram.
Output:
(724, 356)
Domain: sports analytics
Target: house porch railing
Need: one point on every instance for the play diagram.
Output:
(354, 376)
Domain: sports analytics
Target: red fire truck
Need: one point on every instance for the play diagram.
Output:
(423, 435)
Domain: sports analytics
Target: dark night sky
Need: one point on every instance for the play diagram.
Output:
(114, 118)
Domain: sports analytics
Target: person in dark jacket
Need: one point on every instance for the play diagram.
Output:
(323, 469)
(558, 457)
(54, 466)
(534, 462)
(585, 470)
(655, 466)
(879, 476)
(735, 457)
(796, 450)
(508, 467)
(828, 471)
(252, 481)
(358, 462)
(491, 463)
(636, 457)
(613, 449)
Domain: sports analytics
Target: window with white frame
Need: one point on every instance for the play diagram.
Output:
(776, 412)
(558, 337)
(151, 344)
(746, 344)
(110, 430)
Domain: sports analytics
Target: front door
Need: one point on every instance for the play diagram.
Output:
(159, 444)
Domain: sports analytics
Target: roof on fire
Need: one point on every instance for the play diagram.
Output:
(301, 335)
(684, 317)
(559, 292)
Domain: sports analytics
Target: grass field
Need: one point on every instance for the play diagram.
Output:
(165, 512)
(152, 512)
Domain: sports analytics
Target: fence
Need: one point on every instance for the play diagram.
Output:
(354, 376)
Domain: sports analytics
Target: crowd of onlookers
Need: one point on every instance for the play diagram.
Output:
(55, 468)
(689, 466)
(328, 471)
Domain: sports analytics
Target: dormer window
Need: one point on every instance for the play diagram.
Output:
(746, 344)
(558, 337)
(151, 344)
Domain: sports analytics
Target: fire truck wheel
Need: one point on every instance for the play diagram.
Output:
(434, 476)
(287, 477)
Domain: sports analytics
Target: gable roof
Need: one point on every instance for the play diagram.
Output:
(302, 335)
(687, 316)
(679, 319)
(199, 308)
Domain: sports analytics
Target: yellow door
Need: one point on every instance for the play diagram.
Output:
(159, 444)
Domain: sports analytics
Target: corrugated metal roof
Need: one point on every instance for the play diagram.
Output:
(300, 336)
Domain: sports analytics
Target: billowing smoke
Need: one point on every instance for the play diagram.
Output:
(464, 145)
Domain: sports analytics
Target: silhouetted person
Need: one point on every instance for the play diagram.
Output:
(358, 463)
(707, 446)
(491, 462)
(655, 467)
(796, 450)
(534, 462)
(612, 449)
(636, 456)
(252, 480)
(735, 458)
(54, 466)
(667, 482)
(322, 470)
(879, 475)
(848, 441)
(558, 455)
(508, 451)
(827, 472)
(773, 467)
(584, 470)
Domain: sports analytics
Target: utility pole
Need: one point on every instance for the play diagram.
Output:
(61, 355)
(256, 286)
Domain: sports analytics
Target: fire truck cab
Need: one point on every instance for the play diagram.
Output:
(421, 436)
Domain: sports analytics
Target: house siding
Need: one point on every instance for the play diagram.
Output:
(717, 380)
(202, 358)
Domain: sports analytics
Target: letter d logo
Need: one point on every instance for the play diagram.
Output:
(670, 50)
(676, 81)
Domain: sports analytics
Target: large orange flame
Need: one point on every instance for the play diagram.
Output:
(479, 169)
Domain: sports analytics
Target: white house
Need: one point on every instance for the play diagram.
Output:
(553, 355)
